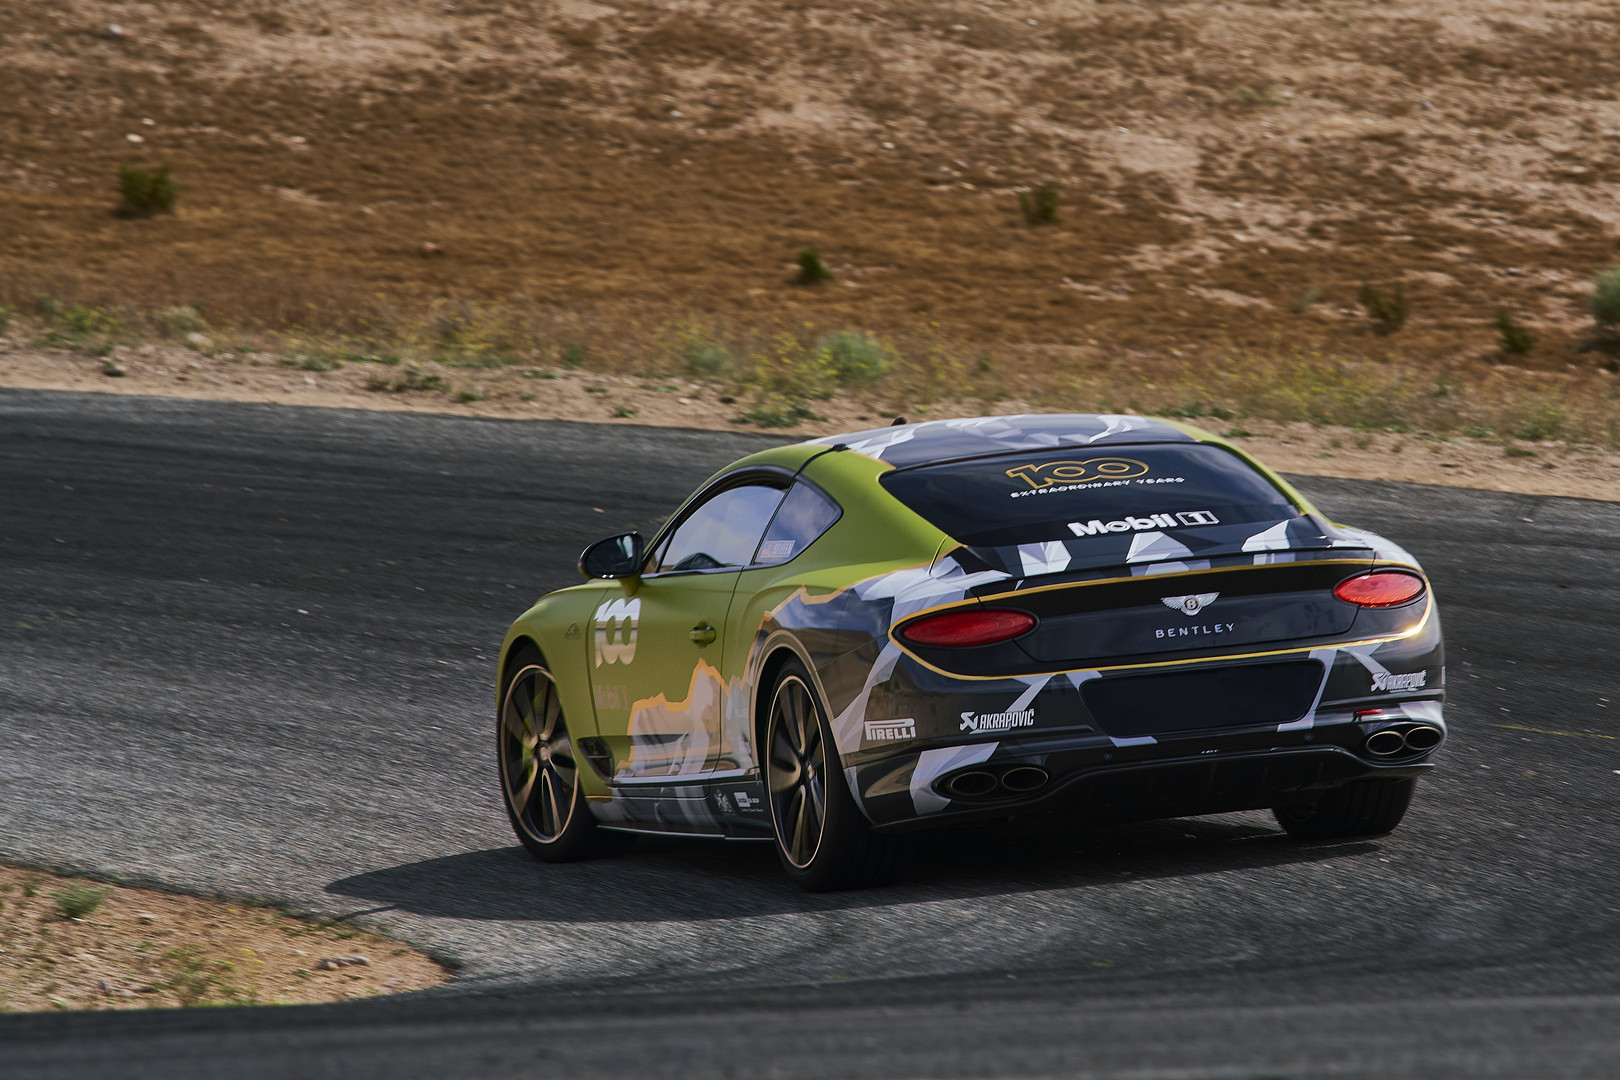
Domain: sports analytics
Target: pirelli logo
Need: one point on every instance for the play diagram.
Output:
(891, 730)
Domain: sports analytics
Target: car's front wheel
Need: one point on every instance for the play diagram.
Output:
(822, 839)
(1364, 808)
(539, 770)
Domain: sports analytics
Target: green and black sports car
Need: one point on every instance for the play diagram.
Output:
(1103, 617)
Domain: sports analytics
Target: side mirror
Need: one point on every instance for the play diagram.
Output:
(616, 557)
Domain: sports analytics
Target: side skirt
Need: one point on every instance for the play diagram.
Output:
(731, 808)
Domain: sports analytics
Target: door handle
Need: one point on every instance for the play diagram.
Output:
(703, 635)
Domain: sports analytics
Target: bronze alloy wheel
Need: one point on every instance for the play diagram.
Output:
(822, 838)
(540, 776)
(796, 760)
(537, 759)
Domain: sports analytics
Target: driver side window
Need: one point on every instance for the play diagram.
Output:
(723, 532)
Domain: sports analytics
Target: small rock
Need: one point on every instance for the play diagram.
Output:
(135, 138)
(430, 249)
(196, 340)
(146, 917)
(115, 32)
(332, 963)
(728, 401)
(112, 370)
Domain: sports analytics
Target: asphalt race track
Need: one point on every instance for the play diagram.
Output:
(249, 650)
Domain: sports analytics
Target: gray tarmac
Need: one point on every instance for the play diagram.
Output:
(249, 650)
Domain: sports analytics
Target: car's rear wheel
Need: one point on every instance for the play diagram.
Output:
(1364, 808)
(822, 840)
(539, 770)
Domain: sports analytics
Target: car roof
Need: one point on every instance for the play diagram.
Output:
(946, 440)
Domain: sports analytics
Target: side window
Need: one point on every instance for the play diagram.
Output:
(805, 514)
(722, 532)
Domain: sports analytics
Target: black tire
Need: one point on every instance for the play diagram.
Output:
(822, 839)
(1364, 808)
(539, 772)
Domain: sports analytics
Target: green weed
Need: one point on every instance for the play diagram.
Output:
(856, 358)
(78, 326)
(1388, 311)
(777, 415)
(194, 980)
(574, 356)
(1311, 295)
(77, 900)
(1545, 420)
(701, 354)
(177, 322)
(1248, 95)
(1517, 338)
(313, 362)
(1039, 207)
(146, 192)
(469, 395)
(1605, 300)
(623, 412)
(411, 379)
(812, 271)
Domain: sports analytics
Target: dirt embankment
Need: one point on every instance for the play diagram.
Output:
(638, 162)
(67, 943)
(531, 393)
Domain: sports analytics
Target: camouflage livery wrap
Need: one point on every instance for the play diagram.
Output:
(1186, 657)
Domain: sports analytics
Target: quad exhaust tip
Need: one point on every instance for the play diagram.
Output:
(1423, 737)
(1385, 743)
(974, 783)
(1023, 778)
(1388, 742)
(982, 783)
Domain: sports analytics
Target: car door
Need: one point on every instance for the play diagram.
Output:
(659, 669)
(769, 582)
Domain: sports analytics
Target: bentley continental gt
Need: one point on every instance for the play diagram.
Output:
(1108, 618)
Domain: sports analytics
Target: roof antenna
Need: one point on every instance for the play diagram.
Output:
(897, 421)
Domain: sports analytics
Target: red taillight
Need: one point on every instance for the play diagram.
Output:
(958, 629)
(1381, 588)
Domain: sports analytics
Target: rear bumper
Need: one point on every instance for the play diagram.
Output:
(1095, 780)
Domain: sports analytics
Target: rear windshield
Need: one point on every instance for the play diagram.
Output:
(1074, 494)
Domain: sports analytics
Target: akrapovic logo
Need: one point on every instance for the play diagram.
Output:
(891, 730)
(616, 622)
(1000, 721)
(1387, 681)
(1182, 519)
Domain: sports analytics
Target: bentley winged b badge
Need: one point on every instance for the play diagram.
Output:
(1189, 605)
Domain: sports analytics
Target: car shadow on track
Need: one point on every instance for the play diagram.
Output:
(669, 879)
